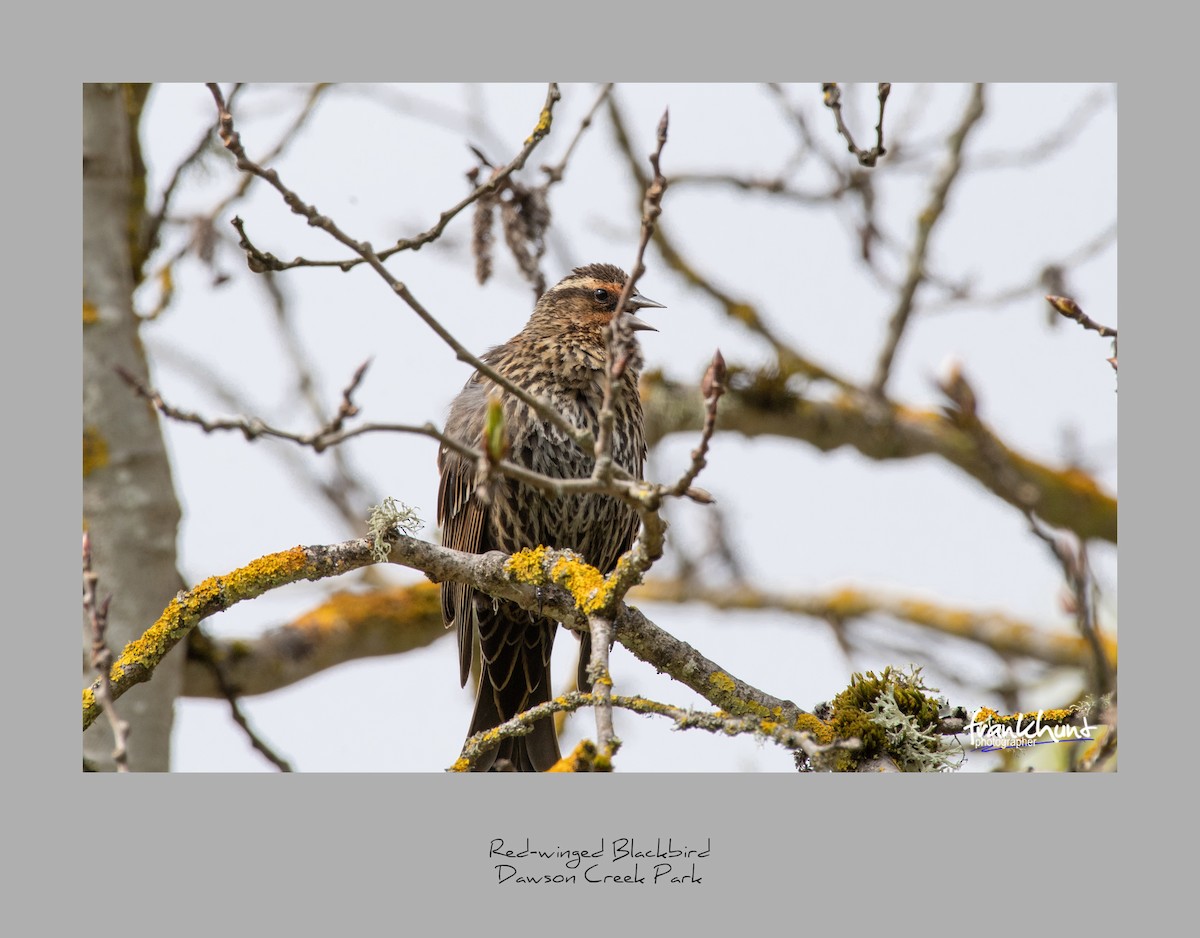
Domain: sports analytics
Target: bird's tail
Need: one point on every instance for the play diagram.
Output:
(515, 676)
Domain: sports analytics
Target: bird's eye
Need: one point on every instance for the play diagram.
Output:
(601, 295)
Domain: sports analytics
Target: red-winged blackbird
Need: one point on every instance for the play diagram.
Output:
(560, 357)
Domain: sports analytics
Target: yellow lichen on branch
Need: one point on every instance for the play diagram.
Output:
(988, 716)
(347, 626)
(766, 406)
(999, 631)
(583, 758)
(528, 566)
(589, 588)
(141, 656)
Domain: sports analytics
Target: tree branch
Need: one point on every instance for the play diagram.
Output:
(832, 96)
(790, 361)
(998, 631)
(490, 573)
(346, 627)
(97, 613)
(926, 221)
(260, 261)
(722, 723)
(1066, 498)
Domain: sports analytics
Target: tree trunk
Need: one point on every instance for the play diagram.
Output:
(129, 504)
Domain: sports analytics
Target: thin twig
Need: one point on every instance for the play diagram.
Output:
(204, 233)
(601, 629)
(554, 173)
(926, 221)
(230, 693)
(790, 361)
(342, 489)
(261, 261)
(811, 142)
(1073, 561)
(155, 221)
(252, 427)
(1078, 574)
(832, 95)
(722, 723)
(1050, 271)
(621, 345)
(1069, 308)
(1066, 133)
(102, 658)
(621, 486)
(492, 184)
(776, 186)
(711, 388)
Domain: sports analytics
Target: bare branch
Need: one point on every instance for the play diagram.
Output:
(711, 387)
(1072, 560)
(491, 185)
(263, 261)
(102, 659)
(1069, 308)
(490, 573)
(1050, 275)
(926, 221)
(790, 361)
(601, 629)
(773, 186)
(620, 336)
(555, 173)
(155, 221)
(1002, 633)
(810, 142)
(720, 723)
(1077, 572)
(1064, 497)
(252, 427)
(622, 486)
(648, 546)
(204, 233)
(348, 626)
(202, 650)
(1066, 133)
(832, 95)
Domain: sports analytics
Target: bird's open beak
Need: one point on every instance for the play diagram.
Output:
(637, 301)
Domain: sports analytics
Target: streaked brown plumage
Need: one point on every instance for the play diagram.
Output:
(560, 357)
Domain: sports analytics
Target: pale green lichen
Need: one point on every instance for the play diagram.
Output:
(383, 523)
(892, 714)
(915, 746)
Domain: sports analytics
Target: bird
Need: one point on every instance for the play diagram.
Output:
(560, 357)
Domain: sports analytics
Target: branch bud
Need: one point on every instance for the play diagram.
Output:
(495, 435)
(713, 384)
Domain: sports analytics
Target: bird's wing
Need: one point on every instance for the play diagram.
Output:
(462, 518)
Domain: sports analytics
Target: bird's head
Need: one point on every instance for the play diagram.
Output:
(588, 296)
